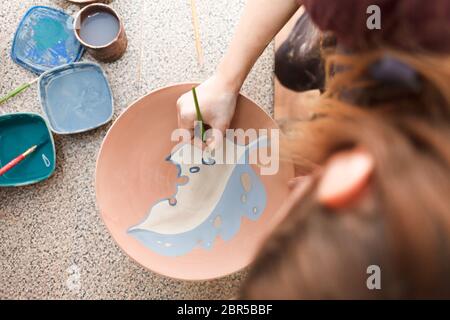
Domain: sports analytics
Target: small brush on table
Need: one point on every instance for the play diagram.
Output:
(13, 163)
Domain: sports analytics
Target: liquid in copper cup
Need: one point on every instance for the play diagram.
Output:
(100, 29)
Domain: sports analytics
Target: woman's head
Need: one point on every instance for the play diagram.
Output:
(381, 198)
(381, 140)
(381, 195)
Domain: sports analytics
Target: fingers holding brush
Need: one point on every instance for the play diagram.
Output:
(217, 104)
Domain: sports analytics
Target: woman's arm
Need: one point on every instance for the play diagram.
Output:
(261, 21)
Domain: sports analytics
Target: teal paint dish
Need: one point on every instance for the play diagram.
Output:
(76, 97)
(45, 39)
(19, 132)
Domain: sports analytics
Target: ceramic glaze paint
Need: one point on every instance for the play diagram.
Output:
(99, 29)
(208, 205)
(45, 39)
(76, 98)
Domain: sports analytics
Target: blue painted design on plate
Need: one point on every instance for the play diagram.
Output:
(45, 39)
(229, 210)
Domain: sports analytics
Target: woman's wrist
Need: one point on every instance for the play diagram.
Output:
(230, 77)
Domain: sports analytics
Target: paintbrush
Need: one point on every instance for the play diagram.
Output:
(199, 114)
(18, 90)
(13, 163)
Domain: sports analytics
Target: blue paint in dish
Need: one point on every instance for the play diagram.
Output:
(19, 132)
(76, 97)
(45, 39)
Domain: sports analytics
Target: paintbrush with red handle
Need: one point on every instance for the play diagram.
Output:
(19, 159)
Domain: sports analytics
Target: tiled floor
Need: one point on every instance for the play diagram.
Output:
(51, 233)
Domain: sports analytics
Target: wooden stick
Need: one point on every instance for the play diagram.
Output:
(198, 43)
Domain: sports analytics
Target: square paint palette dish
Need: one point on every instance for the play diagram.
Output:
(19, 132)
(76, 97)
(45, 39)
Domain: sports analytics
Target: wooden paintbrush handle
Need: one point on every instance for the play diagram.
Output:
(11, 164)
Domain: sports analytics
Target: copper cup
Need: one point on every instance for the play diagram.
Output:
(110, 52)
(84, 2)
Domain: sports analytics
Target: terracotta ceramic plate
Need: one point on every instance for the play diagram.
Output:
(132, 175)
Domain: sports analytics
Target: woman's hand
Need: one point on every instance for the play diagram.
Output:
(260, 22)
(217, 103)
